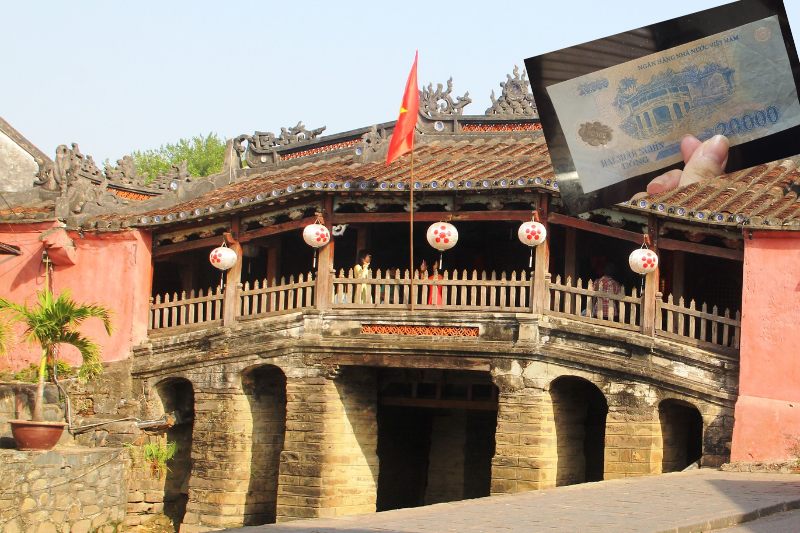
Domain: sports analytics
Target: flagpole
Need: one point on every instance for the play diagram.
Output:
(411, 230)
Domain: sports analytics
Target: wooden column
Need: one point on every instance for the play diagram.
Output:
(362, 241)
(569, 253)
(650, 283)
(324, 286)
(678, 274)
(233, 277)
(273, 260)
(542, 260)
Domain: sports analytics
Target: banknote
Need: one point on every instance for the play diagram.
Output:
(628, 120)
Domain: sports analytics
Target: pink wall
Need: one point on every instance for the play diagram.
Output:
(768, 408)
(111, 269)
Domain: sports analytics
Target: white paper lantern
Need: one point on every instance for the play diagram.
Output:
(316, 235)
(222, 258)
(643, 261)
(532, 233)
(442, 236)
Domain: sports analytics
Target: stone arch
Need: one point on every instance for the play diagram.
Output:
(579, 414)
(265, 389)
(177, 400)
(681, 434)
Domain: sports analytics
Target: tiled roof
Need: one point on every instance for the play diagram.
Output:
(440, 164)
(37, 211)
(764, 196)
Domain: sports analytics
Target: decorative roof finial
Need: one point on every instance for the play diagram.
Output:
(439, 102)
(516, 98)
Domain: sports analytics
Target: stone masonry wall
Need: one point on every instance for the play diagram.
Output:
(329, 466)
(63, 491)
(535, 449)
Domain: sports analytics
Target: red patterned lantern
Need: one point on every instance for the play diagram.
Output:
(643, 261)
(532, 234)
(222, 257)
(316, 235)
(442, 236)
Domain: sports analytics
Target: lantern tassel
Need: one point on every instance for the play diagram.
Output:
(441, 261)
(530, 261)
(314, 265)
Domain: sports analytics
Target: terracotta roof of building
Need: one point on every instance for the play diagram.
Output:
(763, 196)
(440, 164)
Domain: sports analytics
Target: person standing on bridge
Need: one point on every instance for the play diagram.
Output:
(605, 307)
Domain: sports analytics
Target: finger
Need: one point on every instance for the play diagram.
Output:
(707, 161)
(665, 182)
(689, 144)
(639, 196)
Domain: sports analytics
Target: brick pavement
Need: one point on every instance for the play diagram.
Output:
(700, 500)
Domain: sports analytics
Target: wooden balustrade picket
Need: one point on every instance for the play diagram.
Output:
(464, 291)
(186, 309)
(458, 291)
(272, 298)
(703, 327)
(585, 303)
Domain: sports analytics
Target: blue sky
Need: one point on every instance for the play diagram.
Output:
(118, 76)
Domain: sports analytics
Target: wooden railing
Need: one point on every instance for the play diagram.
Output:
(459, 291)
(587, 303)
(704, 327)
(186, 309)
(283, 296)
(443, 290)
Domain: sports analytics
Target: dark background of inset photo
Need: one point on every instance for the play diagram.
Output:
(555, 67)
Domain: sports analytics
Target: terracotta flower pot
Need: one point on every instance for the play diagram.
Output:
(32, 435)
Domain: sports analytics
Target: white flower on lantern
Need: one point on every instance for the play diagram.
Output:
(316, 235)
(532, 233)
(643, 261)
(222, 257)
(442, 236)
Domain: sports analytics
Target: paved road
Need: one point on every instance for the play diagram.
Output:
(700, 500)
(778, 523)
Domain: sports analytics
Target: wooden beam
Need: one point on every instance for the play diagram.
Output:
(570, 248)
(410, 361)
(275, 228)
(427, 216)
(434, 403)
(585, 225)
(541, 296)
(186, 246)
(209, 242)
(651, 283)
(324, 283)
(702, 249)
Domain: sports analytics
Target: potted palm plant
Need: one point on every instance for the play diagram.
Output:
(53, 321)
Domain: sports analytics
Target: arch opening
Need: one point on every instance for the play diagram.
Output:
(579, 413)
(177, 399)
(265, 389)
(436, 436)
(681, 434)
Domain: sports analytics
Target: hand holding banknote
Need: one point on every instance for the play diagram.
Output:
(703, 160)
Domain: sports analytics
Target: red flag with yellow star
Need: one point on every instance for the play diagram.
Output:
(403, 136)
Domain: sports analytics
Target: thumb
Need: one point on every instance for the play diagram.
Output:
(707, 161)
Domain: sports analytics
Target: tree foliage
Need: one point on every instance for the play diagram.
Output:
(204, 155)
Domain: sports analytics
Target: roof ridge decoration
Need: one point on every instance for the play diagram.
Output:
(438, 102)
(373, 145)
(81, 183)
(263, 146)
(516, 98)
